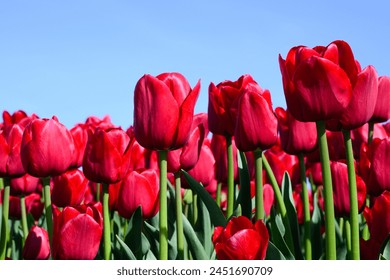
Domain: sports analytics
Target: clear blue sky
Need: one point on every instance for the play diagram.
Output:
(75, 59)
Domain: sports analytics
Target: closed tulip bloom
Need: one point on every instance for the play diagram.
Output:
(187, 156)
(218, 147)
(360, 136)
(94, 122)
(223, 104)
(241, 240)
(107, 155)
(374, 163)
(155, 126)
(382, 108)
(204, 169)
(69, 188)
(342, 206)
(80, 138)
(10, 145)
(295, 136)
(256, 124)
(77, 232)
(378, 221)
(37, 245)
(34, 206)
(25, 185)
(47, 148)
(318, 81)
(139, 189)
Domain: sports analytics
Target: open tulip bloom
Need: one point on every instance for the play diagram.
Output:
(306, 182)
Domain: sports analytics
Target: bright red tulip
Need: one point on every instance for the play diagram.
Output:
(378, 221)
(360, 136)
(10, 145)
(80, 138)
(382, 108)
(218, 147)
(241, 240)
(139, 189)
(47, 148)
(256, 124)
(37, 245)
(77, 232)
(318, 81)
(94, 122)
(340, 184)
(25, 185)
(107, 155)
(155, 126)
(223, 104)
(296, 137)
(69, 188)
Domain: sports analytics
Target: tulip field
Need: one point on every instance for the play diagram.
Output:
(242, 181)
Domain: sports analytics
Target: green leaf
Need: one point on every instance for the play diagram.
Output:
(273, 253)
(133, 236)
(194, 244)
(204, 228)
(216, 215)
(277, 232)
(292, 216)
(244, 197)
(385, 249)
(126, 250)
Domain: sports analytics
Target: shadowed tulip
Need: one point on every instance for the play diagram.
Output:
(25, 185)
(37, 245)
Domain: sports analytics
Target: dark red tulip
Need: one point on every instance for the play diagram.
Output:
(187, 156)
(340, 184)
(47, 148)
(139, 189)
(218, 147)
(34, 205)
(204, 169)
(360, 136)
(107, 155)
(223, 104)
(68, 188)
(374, 163)
(37, 245)
(155, 127)
(77, 232)
(241, 240)
(296, 137)
(268, 196)
(256, 124)
(10, 145)
(378, 221)
(80, 138)
(298, 202)
(25, 185)
(318, 81)
(382, 109)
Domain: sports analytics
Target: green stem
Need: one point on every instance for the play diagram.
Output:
(194, 209)
(259, 198)
(370, 132)
(179, 217)
(230, 177)
(280, 202)
(163, 214)
(353, 197)
(24, 218)
(98, 186)
(348, 239)
(306, 208)
(4, 225)
(106, 223)
(48, 208)
(330, 230)
(218, 195)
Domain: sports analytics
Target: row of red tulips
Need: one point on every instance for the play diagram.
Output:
(157, 189)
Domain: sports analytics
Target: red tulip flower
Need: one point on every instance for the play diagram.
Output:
(47, 148)
(77, 232)
(37, 245)
(360, 136)
(80, 138)
(256, 124)
(318, 81)
(382, 109)
(241, 240)
(25, 185)
(296, 137)
(341, 189)
(34, 206)
(223, 104)
(139, 189)
(69, 188)
(155, 126)
(107, 155)
(378, 221)
(218, 147)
